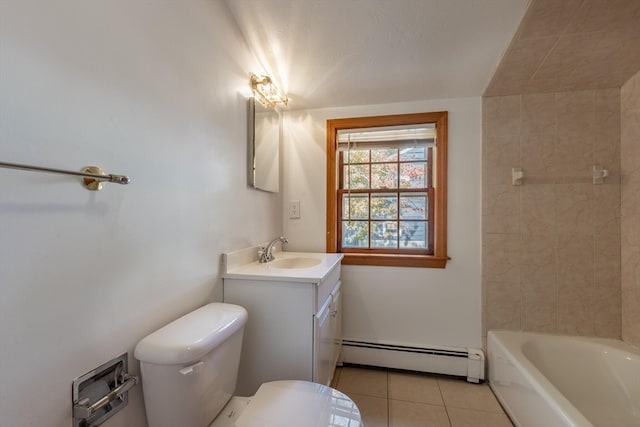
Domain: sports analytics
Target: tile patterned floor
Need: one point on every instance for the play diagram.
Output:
(389, 398)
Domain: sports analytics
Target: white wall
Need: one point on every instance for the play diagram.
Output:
(402, 305)
(149, 89)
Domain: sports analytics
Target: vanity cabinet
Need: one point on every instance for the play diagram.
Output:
(327, 337)
(294, 329)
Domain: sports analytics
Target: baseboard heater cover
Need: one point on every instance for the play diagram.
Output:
(462, 362)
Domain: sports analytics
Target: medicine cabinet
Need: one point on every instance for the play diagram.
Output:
(264, 146)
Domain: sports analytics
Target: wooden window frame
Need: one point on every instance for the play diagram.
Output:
(369, 257)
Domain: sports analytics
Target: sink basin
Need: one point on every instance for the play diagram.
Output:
(297, 262)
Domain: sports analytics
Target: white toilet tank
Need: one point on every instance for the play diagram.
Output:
(190, 366)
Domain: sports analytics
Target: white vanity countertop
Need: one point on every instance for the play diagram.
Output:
(254, 270)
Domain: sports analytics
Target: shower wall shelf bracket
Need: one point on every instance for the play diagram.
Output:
(93, 177)
(598, 175)
(517, 175)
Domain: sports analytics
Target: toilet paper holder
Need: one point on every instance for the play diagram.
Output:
(102, 392)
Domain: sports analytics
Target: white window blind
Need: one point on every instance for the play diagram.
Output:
(386, 137)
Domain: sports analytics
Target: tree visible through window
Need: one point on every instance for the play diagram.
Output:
(386, 192)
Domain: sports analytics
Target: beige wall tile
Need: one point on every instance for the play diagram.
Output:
(608, 278)
(500, 154)
(606, 208)
(630, 210)
(575, 257)
(631, 299)
(539, 282)
(576, 116)
(539, 113)
(574, 158)
(569, 266)
(629, 146)
(629, 213)
(539, 250)
(519, 64)
(502, 252)
(607, 109)
(621, 48)
(576, 289)
(538, 156)
(608, 309)
(539, 299)
(501, 209)
(574, 208)
(567, 56)
(589, 248)
(574, 45)
(630, 93)
(503, 305)
(501, 116)
(595, 15)
(547, 17)
(576, 303)
(538, 207)
(607, 132)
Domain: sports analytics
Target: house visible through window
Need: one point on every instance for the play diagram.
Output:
(386, 192)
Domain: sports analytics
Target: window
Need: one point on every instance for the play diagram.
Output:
(386, 189)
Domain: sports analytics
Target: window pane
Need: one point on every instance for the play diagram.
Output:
(413, 206)
(355, 234)
(384, 206)
(413, 153)
(356, 156)
(384, 155)
(413, 234)
(355, 206)
(384, 175)
(412, 175)
(384, 234)
(356, 176)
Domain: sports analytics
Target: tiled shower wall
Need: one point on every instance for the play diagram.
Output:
(630, 150)
(551, 247)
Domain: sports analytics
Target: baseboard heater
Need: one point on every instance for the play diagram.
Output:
(463, 362)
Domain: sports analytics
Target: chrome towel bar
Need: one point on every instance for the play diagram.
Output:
(93, 175)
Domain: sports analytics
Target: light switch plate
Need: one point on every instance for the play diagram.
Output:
(294, 209)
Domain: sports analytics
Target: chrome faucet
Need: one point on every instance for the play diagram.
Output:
(265, 254)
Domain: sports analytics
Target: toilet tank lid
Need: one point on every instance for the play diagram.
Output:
(191, 336)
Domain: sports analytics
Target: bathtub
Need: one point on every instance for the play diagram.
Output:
(545, 380)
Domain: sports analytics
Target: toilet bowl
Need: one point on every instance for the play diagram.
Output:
(189, 370)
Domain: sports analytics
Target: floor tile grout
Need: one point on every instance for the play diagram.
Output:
(351, 382)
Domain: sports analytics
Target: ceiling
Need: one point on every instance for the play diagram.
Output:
(330, 53)
(571, 45)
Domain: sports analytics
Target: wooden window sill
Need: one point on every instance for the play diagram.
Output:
(395, 260)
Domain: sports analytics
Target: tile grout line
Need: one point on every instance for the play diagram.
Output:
(388, 399)
(444, 403)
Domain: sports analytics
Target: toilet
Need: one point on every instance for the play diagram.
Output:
(189, 370)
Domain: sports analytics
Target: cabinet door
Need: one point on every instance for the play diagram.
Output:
(336, 324)
(323, 344)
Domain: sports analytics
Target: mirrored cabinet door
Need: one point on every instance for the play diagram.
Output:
(264, 146)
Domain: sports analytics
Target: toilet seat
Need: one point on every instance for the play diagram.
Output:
(299, 404)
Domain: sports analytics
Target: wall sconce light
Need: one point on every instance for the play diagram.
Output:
(267, 91)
